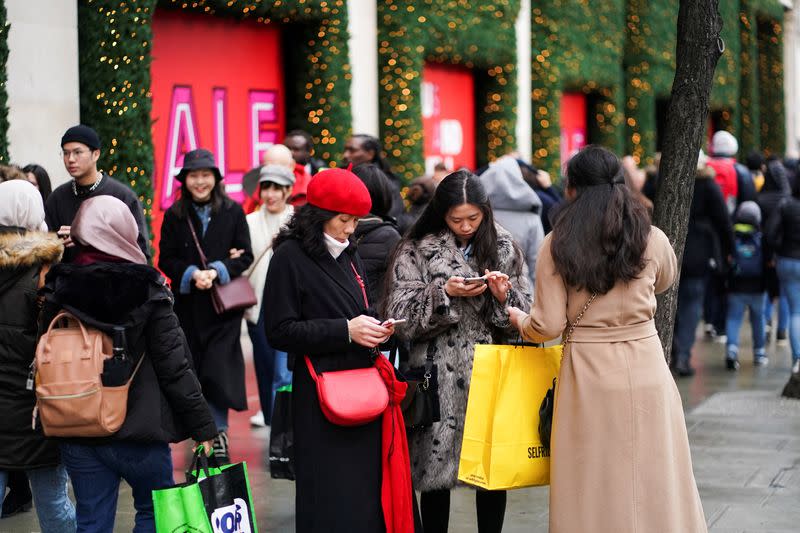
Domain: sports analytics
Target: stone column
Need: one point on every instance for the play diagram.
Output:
(43, 92)
(524, 106)
(362, 24)
(791, 76)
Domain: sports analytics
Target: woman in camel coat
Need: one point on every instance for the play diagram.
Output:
(620, 453)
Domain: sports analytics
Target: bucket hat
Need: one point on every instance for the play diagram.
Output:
(196, 160)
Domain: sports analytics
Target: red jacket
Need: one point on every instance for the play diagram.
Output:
(726, 179)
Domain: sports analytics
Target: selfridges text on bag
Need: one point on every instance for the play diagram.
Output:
(71, 400)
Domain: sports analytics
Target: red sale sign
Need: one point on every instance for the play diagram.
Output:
(448, 116)
(216, 84)
(573, 125)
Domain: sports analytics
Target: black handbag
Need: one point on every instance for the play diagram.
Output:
(421, 404)
(548, 403)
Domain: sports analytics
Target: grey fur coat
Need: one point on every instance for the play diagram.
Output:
(452, 327)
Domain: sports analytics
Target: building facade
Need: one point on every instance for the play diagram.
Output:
(437, 81)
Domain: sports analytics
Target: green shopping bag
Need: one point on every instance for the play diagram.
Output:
(214, 499)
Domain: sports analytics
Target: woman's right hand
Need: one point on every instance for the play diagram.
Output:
(455, 286)
(204, 279)
(367, 331)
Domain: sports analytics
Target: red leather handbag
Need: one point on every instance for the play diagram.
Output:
(351, 397)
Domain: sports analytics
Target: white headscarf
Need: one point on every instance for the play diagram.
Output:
(21, 205)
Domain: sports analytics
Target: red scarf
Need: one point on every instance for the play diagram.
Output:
(396, 491)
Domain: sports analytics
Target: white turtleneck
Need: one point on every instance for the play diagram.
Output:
(335, 246)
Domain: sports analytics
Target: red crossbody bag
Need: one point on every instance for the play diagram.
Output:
(351, 397)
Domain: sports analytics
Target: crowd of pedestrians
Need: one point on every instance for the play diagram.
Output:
(460, 258)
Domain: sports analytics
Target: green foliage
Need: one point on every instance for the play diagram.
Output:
(113, 40)
(477, 35)
(762, 125)
(577, 45)
(4, 27)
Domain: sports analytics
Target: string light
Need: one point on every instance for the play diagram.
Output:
(577, 45)
(477, 35)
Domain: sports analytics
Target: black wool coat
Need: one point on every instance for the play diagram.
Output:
(22, 256)
(213, 339)
(165, 403)
(307, 302)
(376, 240)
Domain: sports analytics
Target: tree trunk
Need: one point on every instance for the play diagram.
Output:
(699, 47)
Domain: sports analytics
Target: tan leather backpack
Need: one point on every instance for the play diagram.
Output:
(71, 400)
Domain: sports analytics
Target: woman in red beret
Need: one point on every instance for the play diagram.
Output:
(314, 305)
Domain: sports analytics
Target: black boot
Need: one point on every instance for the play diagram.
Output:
(19, 498)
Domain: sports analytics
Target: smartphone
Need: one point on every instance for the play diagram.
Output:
(393, 321)
(472, 281)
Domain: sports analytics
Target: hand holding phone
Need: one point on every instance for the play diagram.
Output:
(465, 287)
(393, 322)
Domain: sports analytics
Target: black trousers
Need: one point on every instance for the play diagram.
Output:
(490, 505)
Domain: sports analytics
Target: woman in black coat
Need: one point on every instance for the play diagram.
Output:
(316, 308)
(376, 235)
(25, 256)
(221, 228)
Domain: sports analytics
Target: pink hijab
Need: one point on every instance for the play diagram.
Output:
(106, 224)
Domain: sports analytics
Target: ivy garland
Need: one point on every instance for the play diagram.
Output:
(650, 69)
(115, 36)
(762, 97)
(577, 46)
(4, 27)
(478, 35)
(114, 40)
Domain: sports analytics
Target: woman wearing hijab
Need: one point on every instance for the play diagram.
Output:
(26, 254)
(318, 306)
(205, 212)
(110, 284)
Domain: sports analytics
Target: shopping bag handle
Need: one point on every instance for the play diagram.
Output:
(199, 461)
(521, 343)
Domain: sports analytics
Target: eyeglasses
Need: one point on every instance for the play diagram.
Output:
(66, 154)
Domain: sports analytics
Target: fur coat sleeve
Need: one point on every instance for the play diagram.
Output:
(420, 271)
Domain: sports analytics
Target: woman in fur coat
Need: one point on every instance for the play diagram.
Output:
(26, 255)
(454, 239)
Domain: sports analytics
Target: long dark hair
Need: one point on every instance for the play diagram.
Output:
(460, 187)
(42, 179)
(183, 205)
(378, 185)
(306, 226)
(600, 237)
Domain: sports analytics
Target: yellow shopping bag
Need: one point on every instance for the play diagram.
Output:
(501, 447)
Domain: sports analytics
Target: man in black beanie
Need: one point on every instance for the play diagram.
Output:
(80, 147)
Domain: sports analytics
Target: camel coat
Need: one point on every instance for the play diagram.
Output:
(620, 452)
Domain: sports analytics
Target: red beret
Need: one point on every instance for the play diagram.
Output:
(340, 191)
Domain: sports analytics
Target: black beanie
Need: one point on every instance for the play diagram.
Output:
(82, 134)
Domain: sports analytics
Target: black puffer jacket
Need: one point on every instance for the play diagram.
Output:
(709, 240)
(22, 256)
(776, 188)
(782, 229)
(165, 403)
(376, 239)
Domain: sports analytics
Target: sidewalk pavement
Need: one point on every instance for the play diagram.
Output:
(745, 444)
